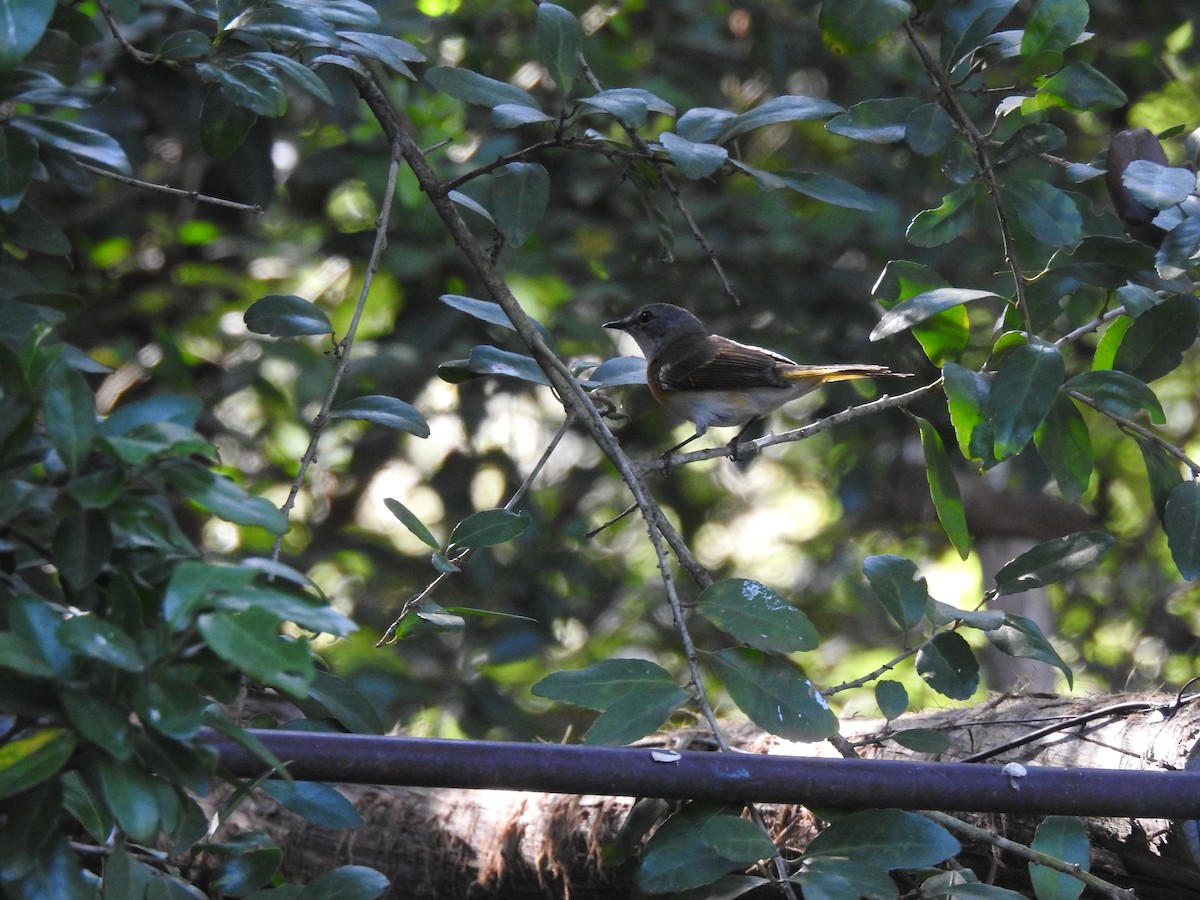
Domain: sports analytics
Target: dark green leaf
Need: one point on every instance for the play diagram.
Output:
(788, 108)
(736, 838)
(196, 585)
(832, 878)
(305, 77)
(478, 90)
(286, 315)
(248, 871)
(1030, 140)
(693, 159)
(487, 360)
(636, 714)
(885, 839)
(967, 25)
(319, 803)
(630, 106)
(922, 740)
(1064, 838)
(382, 410)
(1065, 447)
(101, 640)
(520, 193)
(677, 858)
(391, 51)
(411, 522)
(285, 605)
(948, 665)
(899, 586)
(775, 696)
(944, 334)
(221, 497)
(1080, 88)
(171, 706)
(131, 795)
(1162, 472)
(756, 615)
(32, 820)
(917, 309)
(943, 488)
(1181, 521)
(347, 883)
(851, 26)
(81, 803)
(20, 655)
(619, 370)
(877, 121)
(1021, 637)
(940, 613)
(183, 46)
(601, 685)
(487, 528)
(829, 189)
(560, 41)
(1026, 383)
(928, 128)
(1047, 213)
(962, 884)
(703, 124)
(1156, 185)
(1052, 561)
(342, 12)
(223, 124)
(249, 641)
(343, 701)
(32, 758)
(255, 87)
(1106, 262)
(492, 313)
(1180, 245)
(1117, 392)
(83, 544)
(1053, 26)
(285, 23)
(18, 157)
(1156, 341)
(70, 415)
(514, 115)
(24, 22)
(80, 141)
(891, 697)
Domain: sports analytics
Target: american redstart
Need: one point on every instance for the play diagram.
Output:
(712, 380)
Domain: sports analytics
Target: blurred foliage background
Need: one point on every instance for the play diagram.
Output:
(167, 282)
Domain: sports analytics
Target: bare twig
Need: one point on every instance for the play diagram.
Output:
(141, 56)
(194, 196)
(870, 676)
(1088, 327)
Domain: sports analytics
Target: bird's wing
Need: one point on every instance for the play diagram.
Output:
(719, 364)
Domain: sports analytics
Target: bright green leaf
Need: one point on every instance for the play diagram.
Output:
(943, 488)
(33, 757)
(411, 522)
(917, 309)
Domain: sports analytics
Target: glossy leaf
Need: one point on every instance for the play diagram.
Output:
(891, 698)
(1181, 521)
(286, 24)
(943, 488)
(1110, 342)
(1053, 26)
(391, 51)
(1162, 473)
(944, 335)
(131, 795)
(933, 227)
(24, 23)
(347, 883)
(248, 871)
(1156, 185)
(940, 613)
(248, 641)
(1047, 213)
(1118, 392)
(947, 664)
(968, 25)
(1081, 88)
(183, 46)
(852, 26)
(478, 90)
(286, 315)
(678, 858)
(630, 106)
(487, 360)
(1023, 638)
(928, 129)
(601, 685)
(885, 839)
(340, 699)
(18, 159)
(520, 192)
(1180, 246)
(757, 615)
(196, 585)
(1052, 561)
(1156, 341)
(1030, 140)
(774, 695)
(70, 415)
(788, 108)
(382, 410)
(1064, 838)
(636, 715)
(560, 41)
(1104, 261)
(833, 878)
(467, 203)
(34, 757)
(829, 189)
(490, 312)
(899, 586)
(921, 740)
(103, 641)
(620, 370)
(254, 87)
(694, 160)
(914, 310)
(703, 124)
(79, 141)
(487, 528)
(411, 522)
(318, 803)
(876, 121)
(1026, 383)
(1065, 446)
(83, 544)
(223, 498)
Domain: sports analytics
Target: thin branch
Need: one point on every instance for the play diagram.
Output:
(141, 56)
(1089, 327)
(975, 833)
(870, 676)
(342, 348)
(194, 196)
(1128, 425)
(561, 143)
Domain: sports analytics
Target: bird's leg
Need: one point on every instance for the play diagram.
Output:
(733, 445)
(666, 454)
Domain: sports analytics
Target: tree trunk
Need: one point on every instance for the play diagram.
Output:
(458, 843)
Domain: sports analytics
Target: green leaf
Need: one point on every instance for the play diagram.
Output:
(940, 613)
(885, 839)
(1081, 88)
(23, 24)
(830, 189)
(1117, 392)
(967, 25)
(20, 655)
(79, 141)
(32, 758)
(788, 108)
(478, 90)
(83, 543)
(620, 370)
(1106, 262)
(1162, 473)
(943, 335)
(514, 115)
(1053, 26)
(339, 698)
(876, 121)
(892, 698)
(947, 665)
(1064, 838)
(560, 41)
(1021, 637)
(221, 497)
(636, 715)
(253, 86)
(678, 858)
(69, 411)
(1181, 521)
(195, 586)
(928, 128)
(101, 640)
(774, 695)
(921, 740)
(943, 488)
(630, 106)
(186, 46)
(520, 193)
(248, 871)
(286, 315)
(391, 51)
(703, 124)
(347, 883)
(302, 75)
(1030, 140)
(383, 410)
(756, 615)
(411, 522)
(488, 360)
(286, 24)
(852, 26)
(1180, 245)
(963, 884)
(223, 124)
(601, 685)
(1052, 561)
(1047, 213)
(1156, 185)
(319, 803)
(736, 838)
(487, 528)
(249, 641)
(832, 878)
(130, 794)
(32, 822)
(18, 159)
(171, 705)
(917, 309)
(1065, 447)
(1156, 341)
(479, 209)
(1026, 383)
(899, 586)
(80, 802)
(694, 160)
(492, 313)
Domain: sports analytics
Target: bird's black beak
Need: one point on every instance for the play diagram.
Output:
(618, 324)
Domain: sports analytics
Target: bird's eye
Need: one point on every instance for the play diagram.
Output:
(646, 316)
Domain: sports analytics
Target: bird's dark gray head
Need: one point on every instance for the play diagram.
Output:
(657, 324)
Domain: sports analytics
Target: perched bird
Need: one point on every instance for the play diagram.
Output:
(712, 380)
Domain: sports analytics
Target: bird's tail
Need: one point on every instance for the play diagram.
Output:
(837, 373)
